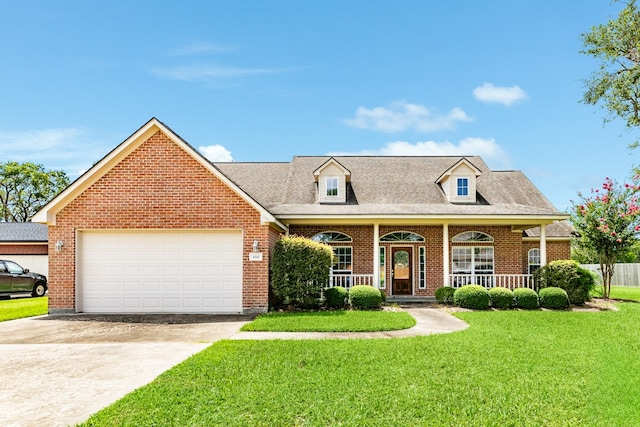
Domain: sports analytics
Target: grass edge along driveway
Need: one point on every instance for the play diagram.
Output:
(18, 308)
(510, 368)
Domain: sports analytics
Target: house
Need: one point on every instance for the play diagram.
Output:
(26, 244)
(155, 227)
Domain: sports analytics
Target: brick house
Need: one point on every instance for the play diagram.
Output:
(155, 227)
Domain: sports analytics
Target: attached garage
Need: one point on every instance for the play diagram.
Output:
(159, 271)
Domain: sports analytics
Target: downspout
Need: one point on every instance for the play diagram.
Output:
(376, 255)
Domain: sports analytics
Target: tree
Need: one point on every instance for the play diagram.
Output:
(616, 83)
(25, 188)
(607, 223)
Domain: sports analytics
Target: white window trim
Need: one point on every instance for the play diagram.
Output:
(332, 179)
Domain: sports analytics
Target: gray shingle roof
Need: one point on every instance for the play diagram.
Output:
(383, 185)
(23, 232)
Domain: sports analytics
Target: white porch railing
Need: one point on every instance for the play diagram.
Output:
(349, 280)
(511, 281)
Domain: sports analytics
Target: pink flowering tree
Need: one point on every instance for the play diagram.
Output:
(607, 222)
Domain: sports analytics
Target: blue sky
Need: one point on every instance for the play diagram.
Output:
(267, 80)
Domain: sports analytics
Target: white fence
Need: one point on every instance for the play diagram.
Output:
(623, 274)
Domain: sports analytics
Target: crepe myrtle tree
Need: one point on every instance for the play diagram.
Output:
(607, 222)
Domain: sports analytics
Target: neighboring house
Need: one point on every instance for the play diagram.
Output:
(155, 227)
(26, 244)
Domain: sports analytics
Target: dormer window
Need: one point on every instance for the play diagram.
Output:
(332, 186)
(459, 182)
(463, 187)
(331, 180)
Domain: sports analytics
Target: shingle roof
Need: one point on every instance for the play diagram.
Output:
(384, 185)
(23, 232)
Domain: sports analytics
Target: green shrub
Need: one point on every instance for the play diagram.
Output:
(444, 295)
(383, 296)
(525, 298)
(471, 296)
(578, 282)
(363, 297)
(501, 297)
(300, 269)
(554, 298)
(335, 297)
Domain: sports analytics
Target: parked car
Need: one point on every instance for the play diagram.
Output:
(14, 280)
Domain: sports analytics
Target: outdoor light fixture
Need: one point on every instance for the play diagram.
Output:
(255, 246)
(59, 245)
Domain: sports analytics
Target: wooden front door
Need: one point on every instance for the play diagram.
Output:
(401, 270)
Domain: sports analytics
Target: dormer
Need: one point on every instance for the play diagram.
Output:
(459, 182)
(331, 179)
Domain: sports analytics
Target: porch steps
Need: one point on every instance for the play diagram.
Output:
(410, 299)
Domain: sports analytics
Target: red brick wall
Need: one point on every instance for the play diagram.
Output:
(556, 249)
(158, 186)
(38, 249)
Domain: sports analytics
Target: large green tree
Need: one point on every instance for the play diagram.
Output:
(616, 83)
(27, 187)
(607, 222)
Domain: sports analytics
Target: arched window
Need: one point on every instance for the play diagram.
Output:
(534, 260)
(472, 237)
(331, 236)
(402, 236)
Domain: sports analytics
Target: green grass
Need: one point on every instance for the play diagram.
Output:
(621, 292)
(18, 308)
(510, 368)
(332, 321)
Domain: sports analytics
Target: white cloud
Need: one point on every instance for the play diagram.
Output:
(210, 73)
(68, 149)
(216, 153)
(503, 95)
(200, 48)
(402, 116)
(491, 152)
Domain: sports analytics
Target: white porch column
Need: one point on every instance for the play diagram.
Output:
(445, 254)
(543, 245)
(376, 256)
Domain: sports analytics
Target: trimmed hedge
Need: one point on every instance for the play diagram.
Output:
(578, 282)
(335, 297)
(363, 297)
(501, 297)
(525, 298)
(300, 269)
(471, 296)
(553, 298)
(444, 295)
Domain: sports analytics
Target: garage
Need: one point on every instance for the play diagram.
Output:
(159, 271)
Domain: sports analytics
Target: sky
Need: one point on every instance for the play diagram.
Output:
(251, 81)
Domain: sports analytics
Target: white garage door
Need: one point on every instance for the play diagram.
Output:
(160, 271)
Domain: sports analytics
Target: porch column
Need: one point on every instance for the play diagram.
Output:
(445, 254)
(376, 256)
(543, 245)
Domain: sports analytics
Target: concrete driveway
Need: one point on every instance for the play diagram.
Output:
(58, 370)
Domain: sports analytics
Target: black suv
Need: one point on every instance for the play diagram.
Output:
(15, 279)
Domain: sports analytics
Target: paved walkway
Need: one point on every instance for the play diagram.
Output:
(429, 320)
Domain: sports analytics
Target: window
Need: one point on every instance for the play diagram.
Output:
(422, 284)
(13, 267)
(382, 268)
(342, 269)
(534, 260)
(402, 236)
(332, 186)
(331, 236)
(472, 236)
(474, 264)
(463, 187)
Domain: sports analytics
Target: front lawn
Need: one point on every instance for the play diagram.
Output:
(18, 308)
(621, 292)
(510, 368)
(332, 321)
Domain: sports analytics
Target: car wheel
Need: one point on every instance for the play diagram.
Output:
(39, 289)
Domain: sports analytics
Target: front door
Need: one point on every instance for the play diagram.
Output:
(401, 270)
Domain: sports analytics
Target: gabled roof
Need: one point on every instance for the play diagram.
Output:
(462, 161)
(332, 161)
(389, 187)
(23, 232)
(48, 213)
